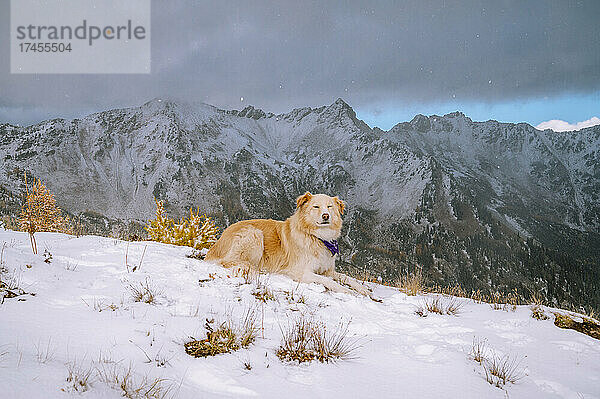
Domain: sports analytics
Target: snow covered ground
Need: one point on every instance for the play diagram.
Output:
(400, 353)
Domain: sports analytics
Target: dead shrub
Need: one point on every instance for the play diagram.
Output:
(586, 326)
(512, 300)
(249, 275)
(220, 340)
(227, 337)
(262, 292)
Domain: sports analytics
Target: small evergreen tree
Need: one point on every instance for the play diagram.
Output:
(159, 228)
(40, 212)
(203, 229)
(199, 231)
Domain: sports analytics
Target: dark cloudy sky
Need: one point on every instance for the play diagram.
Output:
(507, 60)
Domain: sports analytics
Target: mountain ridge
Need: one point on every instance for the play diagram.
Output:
(494, 190)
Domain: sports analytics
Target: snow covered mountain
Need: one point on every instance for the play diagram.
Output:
(481, 204)
(85, 333)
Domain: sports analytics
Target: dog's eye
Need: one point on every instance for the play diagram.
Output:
(329, 206)
(316, 206)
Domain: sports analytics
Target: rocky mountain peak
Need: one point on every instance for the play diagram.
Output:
(340, 107)
(251, 112)
(456, 115)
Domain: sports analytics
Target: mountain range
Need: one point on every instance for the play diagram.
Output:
(486, 205)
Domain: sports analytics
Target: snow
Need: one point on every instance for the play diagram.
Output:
(400, 353)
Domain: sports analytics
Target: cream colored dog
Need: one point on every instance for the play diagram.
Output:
(303, 247)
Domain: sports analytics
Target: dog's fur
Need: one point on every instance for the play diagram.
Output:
(291, 247)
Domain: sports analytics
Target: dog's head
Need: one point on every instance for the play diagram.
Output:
(321, 214)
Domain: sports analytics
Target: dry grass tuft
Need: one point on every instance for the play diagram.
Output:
(334, 345)
(537, 312)
(79, 379)
(44, 353)
(263, 294)
(227, 337)
(498, 370)
(249, 275)
(441, 305)
(293, 297)
(411, 284)
(479, 349)
(10, 284)
(502, 369)
(248, 328)
(477, 296)
(506, 302)
(305, 340)
(100, 305)
(123, 380)
(3, 352)
(537, 307)
(144, 292)
(296, 343)
(421, 312)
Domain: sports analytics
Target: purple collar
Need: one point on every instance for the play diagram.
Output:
(332, 246)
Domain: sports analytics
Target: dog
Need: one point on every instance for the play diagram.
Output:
(303, 247)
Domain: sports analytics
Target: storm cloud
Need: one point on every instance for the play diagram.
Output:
(285, 54)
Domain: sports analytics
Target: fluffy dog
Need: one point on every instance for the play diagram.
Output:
(303, 246)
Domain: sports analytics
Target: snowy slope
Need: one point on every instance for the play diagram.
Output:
(400, 353)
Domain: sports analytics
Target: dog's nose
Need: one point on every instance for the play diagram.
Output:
(325, 216)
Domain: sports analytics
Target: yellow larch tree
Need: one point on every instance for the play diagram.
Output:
(40, 212)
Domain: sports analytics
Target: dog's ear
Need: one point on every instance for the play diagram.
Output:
(340, 204)
(303, 199)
